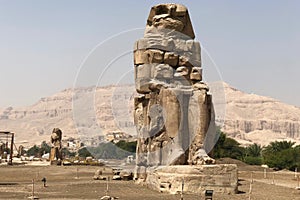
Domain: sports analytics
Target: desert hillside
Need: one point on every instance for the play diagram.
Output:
(259, 119)
(86, 113)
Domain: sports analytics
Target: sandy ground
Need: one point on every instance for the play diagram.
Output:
(72, 182)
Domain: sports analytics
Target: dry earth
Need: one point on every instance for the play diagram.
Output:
(62, 183)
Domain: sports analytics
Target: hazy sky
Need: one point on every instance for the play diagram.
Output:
(255, 44)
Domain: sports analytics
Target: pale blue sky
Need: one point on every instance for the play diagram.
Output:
(43, 43)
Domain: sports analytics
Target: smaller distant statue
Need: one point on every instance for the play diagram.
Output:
(20, 151)
(2, 150)
(56, 149)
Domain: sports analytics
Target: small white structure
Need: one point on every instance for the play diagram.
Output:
(46, 156)
(130, 159)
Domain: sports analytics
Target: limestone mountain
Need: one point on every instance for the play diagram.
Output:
(254, 118)
(90, 112)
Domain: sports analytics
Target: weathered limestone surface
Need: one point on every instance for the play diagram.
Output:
(195, 179)
(174, 111)
(173, 114)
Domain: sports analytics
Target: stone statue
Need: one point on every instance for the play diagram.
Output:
(2, 150)
(174, 111)
(56, 149)
(20, 150)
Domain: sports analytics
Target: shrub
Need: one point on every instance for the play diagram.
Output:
(253, 160)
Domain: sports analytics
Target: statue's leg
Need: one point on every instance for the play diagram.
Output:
(141, 125)
(173, 148)
(57, 153)
(200, 119)
(156, 127)
(52, 154)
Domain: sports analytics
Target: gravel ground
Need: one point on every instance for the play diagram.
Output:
(72, 182)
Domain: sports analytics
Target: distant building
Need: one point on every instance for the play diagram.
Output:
(116, 136)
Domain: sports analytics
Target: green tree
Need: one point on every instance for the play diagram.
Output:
(278, 146)
(282, 155)
(45, 148)
(227, 147)
(254, 150)
(83, 152)
(38, 151)
(252, 154)
(110, 150)
(127, 146)
(66, 153)
(33, 151)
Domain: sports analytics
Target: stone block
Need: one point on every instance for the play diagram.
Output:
(142, 85)
(189, 45)
(181, 45)
(163, 72)
(196, 74)
(155, 56)
(196, 52)
(180, 10)
(168, 44)
(143, 78)
(184, 61)
(196, 47)
(221, 178)
(143, 71)
(141, 57)
(195, 62)
(142, 43)
(163, 44)
(171, 58)
(193, 58)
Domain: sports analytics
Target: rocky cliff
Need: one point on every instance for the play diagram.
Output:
(259, 119)
(245, 117)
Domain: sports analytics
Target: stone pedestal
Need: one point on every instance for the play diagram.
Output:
(221, 178)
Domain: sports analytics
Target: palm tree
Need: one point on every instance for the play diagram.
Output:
(254, 150)
(281, 154)
(278, 146)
